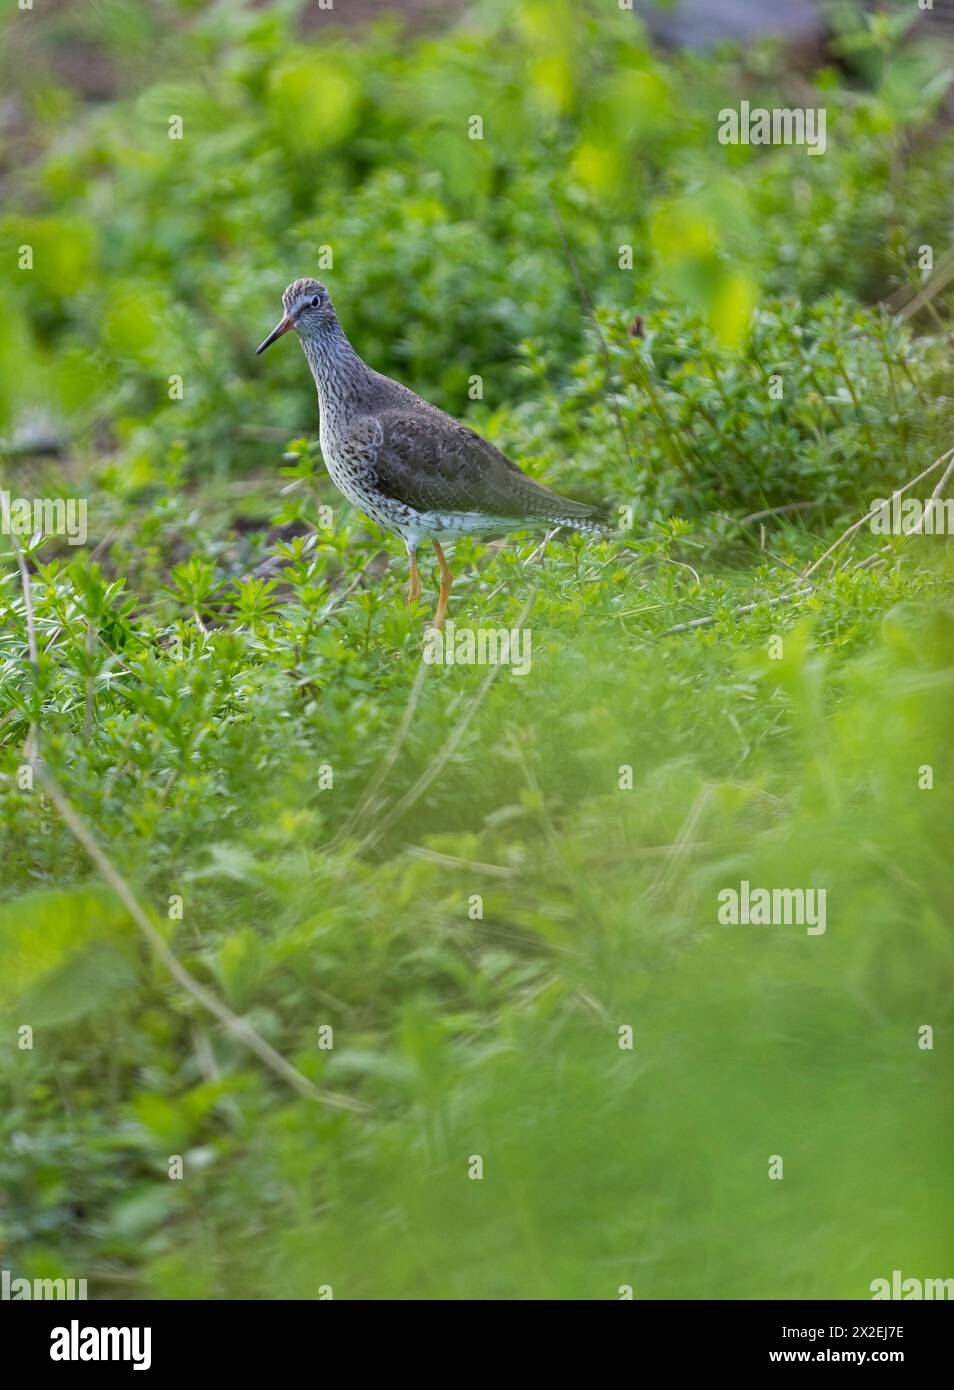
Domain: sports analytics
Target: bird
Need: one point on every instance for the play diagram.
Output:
(416, 471)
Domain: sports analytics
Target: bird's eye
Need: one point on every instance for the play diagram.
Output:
(314, 302)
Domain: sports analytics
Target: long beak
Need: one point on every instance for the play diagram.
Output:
(280, 328)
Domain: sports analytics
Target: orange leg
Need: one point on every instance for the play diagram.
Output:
(447, 580)
(414, 581)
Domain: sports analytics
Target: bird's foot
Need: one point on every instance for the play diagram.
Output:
(414, 580)
(446, 581)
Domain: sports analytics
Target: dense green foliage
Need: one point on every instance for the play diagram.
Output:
(222, 644)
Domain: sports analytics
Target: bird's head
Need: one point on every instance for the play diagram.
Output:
(308, 309)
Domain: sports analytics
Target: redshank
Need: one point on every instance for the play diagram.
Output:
(411, 468)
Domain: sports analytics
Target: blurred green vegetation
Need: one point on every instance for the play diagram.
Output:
(215, 644)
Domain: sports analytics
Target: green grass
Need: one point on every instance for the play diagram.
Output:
(457, 875)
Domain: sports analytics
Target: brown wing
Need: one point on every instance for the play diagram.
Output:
(432, 463)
